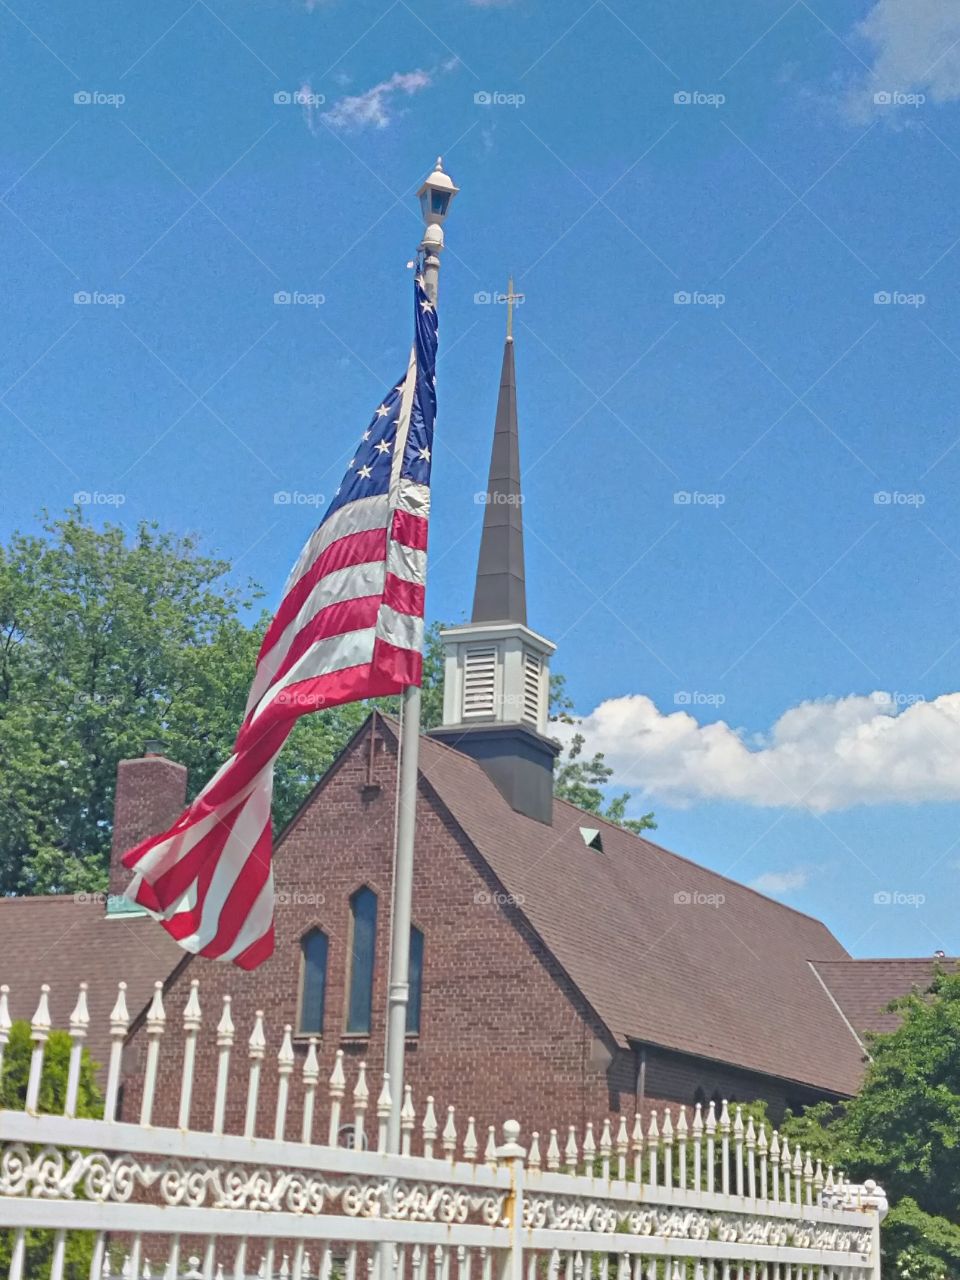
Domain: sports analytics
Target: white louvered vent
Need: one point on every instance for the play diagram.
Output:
(479, 682)
(532, 671)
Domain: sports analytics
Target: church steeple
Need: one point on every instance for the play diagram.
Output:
(500, 594)
(496, 690)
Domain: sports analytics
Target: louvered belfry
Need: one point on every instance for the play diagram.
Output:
(496, 670)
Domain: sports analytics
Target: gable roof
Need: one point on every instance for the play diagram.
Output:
(66, 939)
(665, 951)
(864, 988)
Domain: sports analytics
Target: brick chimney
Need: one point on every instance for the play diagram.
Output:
(151, 792)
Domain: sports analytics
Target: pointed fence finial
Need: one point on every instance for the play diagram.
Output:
(571, 1153)
(589, 1147)
(623, 1148)
(490, 1150)
(156, 1014)
(384, 1105)
(311, 1078)
(533, 1155)
(225, 1027)
(80, 1018)
(191, 1012)
(429, 1128)
(470, 1145)
(408, 1118)
(5, 1021)
(553, 1152)
(449, 1136)
(40, 1023)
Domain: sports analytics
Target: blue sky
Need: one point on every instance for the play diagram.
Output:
(740, 508)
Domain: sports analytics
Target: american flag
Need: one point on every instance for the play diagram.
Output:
(349, 626)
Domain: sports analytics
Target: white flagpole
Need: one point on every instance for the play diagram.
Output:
(435, 196)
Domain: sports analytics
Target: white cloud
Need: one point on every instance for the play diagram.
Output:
(915, 46)
(376, 107)
(832, 753)
(780, 881)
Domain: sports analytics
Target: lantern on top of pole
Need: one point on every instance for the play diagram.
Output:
(435, 195)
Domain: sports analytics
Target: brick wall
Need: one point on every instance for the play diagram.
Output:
(503, 1032)
(150, 794)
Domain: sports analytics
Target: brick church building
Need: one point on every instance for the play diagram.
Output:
(562, 968)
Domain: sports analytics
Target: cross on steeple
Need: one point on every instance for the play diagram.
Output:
(510, 298)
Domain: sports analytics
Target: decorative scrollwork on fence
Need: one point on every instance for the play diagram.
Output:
(609, 1217)
(53, 1173)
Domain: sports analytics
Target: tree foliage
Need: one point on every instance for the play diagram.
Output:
(903, 1130)
(53, 1096)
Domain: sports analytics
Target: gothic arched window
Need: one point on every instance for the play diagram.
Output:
(313, 981)
(416, 982)
(363, 907)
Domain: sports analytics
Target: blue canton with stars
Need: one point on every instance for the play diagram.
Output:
(368, 472)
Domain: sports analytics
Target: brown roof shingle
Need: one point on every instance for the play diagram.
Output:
(68, 939)
(864, 988)
(665, 951)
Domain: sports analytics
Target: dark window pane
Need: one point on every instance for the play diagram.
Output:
(416, 982)
(364, 907)
(314, 947)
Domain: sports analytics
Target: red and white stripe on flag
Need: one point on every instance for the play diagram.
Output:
(349, 626)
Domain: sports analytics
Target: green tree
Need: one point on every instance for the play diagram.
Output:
(903, 1130)
(53, 1095)
(581, 779)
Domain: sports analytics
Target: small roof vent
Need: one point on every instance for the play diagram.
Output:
(591, 838)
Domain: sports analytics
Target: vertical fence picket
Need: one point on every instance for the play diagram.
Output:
(786, 1165)
(256, 1048)
(775, 1165)
(697, 1148)
(738, 1150)
(448, 1139)
(408, 1118)
(751, 1159)
(682, 1132)
(311, 1079)
(653, 1144)
(636, 1143)
(361, 1100)
(191, 1029)
(762, 1152)
(725, 1149)
(667, 1149)
(711, 1132)
(571, 1153)
(384, 1105)
(336, 1088)
(156, 1025)
(285, 1064)
(39, 1031)
(79, 1021)
(429, 1128)
(589, 1150)
(5, 1022)
(606, 1149)
(225, 1038)
(623, 1147)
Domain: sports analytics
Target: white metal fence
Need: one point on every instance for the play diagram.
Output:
(707, 1199)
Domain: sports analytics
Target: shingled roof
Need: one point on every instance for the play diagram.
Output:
(864, 988)
(665, 951)
(67, 939)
